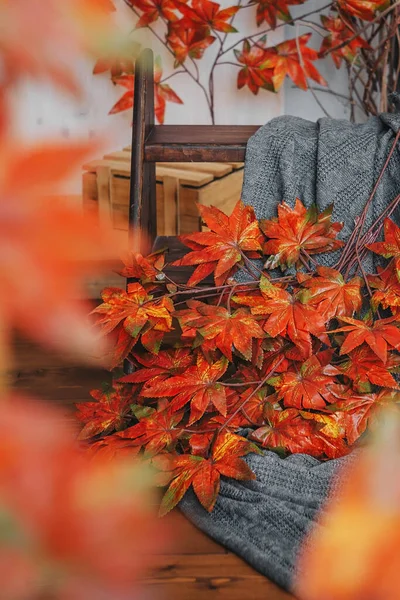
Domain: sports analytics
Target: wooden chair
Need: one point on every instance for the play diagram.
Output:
(169, 143)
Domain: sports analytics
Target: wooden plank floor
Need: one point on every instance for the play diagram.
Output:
(196, 568)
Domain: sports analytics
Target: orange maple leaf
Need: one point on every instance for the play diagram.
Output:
(186, 41)
(379, 335)
(222, 250)
(339, 32)
(295, 59)
(163, 93)
(205, 474)
(47, 246)
(331, 295)
(391, 246)
(271, 10)
(198, 385)
(109, 413)
(307, 385)
(208, 14)
(386, 288)
(287, 315)
(253, 74)
(363, 9)
(228, 330)
(299, 232)
(137, 314)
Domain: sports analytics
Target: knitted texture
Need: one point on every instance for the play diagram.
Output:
(265, 521)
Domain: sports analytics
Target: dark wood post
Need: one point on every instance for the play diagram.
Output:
(142, 208)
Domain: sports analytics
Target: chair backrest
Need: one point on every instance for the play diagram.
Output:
(169, 143)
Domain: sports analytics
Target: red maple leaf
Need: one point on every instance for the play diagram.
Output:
(379, 335)
(330, 433)
(153, 9)
(137, 314)
(161, 366)
(144, 268)
(288, 315)
(360, 409)
(253, 74)
(286, 430)
(186, 41)
(364, 367)
(162, 93)
(299, 232)
(110, 412)
(228, 330)
(387, 288)
(156, 432)
(208, 14)
(294, 58)
(391, 246)
(198, 385)
(222, 250)
(331, 295)
(339, 32)
(204, 474)
(271, 10)
(307, 385)
(112, 446)
(363, 9)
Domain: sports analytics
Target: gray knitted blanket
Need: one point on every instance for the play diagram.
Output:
(265, 521)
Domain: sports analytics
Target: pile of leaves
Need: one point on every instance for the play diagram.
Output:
(362, 34)
(300, 355)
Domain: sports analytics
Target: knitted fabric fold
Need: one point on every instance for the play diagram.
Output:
(331, 161)
(265, 521)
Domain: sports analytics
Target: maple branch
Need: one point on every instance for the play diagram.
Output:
(164, 43)
(353, 243)
(279, 25)
(164, 79)
(260, 385)
(361, 29)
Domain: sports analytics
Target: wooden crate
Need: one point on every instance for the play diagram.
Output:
(105, 192)
(105, 187)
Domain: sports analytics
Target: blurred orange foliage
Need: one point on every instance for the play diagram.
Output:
(354, 552)
(68, 525)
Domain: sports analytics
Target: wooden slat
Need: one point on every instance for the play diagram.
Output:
(198, 143)
(192, 178)
(216, 169)
(123, 155)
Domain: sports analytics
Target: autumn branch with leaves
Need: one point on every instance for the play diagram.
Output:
(299, 355)
(360, 36)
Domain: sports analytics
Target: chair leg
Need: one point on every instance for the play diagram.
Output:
(142, 209)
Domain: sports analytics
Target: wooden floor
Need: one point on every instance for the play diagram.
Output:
(196, 568)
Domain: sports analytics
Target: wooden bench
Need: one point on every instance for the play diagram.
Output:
(169, 143)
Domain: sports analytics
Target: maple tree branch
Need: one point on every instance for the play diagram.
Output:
(279, 25)
(164, 79)
(361, 29)
(250, 396)
(165, 44)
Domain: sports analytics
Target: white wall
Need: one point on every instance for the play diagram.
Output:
(303, 104)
